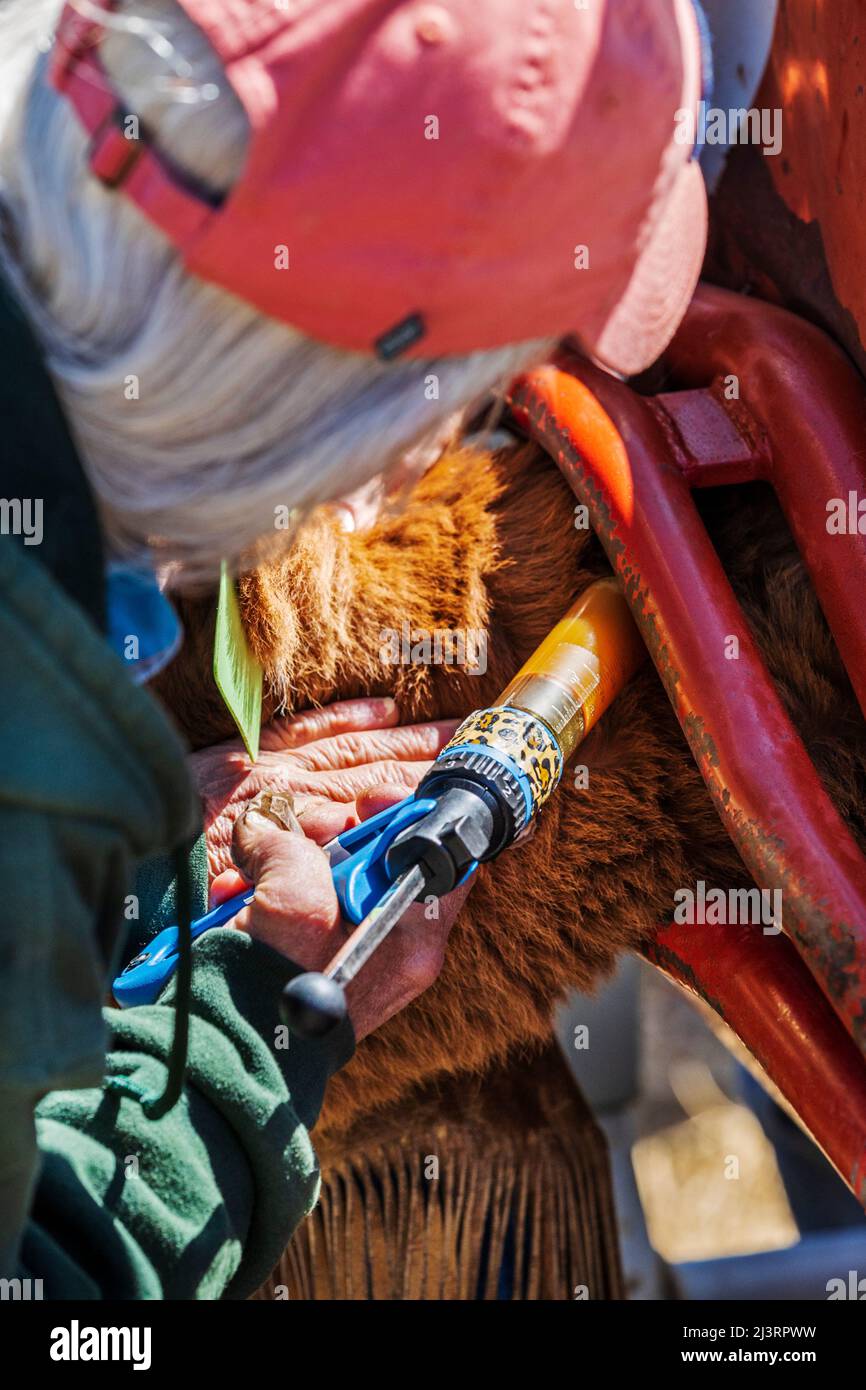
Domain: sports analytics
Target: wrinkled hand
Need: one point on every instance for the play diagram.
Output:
(337, 763)
(341, 764)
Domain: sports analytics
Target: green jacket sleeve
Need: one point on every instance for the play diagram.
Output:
(200, 1203)
(96, 1199)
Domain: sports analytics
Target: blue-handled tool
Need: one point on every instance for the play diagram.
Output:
(488, 784)
(483, 791)
(361, 880)
(147, 973)
(473, 802)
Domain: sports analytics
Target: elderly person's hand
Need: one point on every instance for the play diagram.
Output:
(336, 763)
(339, 765)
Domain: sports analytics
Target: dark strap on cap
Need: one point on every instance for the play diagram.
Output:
(116, 155)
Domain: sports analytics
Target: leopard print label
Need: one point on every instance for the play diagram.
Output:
(521, 738)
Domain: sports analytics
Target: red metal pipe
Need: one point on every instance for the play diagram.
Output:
(621, 457)
(801, 413)
(761, 989)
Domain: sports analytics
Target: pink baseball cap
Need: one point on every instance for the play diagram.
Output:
(426, 178)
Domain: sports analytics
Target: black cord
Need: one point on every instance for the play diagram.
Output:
(156, 1107)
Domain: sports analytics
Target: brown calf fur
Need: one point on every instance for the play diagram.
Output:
(488, 541)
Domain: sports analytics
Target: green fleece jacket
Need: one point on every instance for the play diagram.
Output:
(96, 1199)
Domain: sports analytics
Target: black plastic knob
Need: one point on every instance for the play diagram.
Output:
(312, 1005)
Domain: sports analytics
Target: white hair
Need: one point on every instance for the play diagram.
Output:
(198, 419)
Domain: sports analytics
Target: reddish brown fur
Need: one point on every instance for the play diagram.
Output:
(489, 541)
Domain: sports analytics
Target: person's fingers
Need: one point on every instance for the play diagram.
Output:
(409, 742)
(309, 789)
(219, 772)
(347, 784)
(371, 800)
(226, 885)
(344, 716)
(322, 819)
(296, 909)
(325, 802)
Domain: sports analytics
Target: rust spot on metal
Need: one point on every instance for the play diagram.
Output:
(680, 969)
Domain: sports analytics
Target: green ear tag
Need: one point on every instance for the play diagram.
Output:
(237, 673)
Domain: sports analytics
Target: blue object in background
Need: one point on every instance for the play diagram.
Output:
(143, 628)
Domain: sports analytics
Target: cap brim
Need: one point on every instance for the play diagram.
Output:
(656, 298)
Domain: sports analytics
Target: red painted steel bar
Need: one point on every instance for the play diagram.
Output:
(623, 460)
(801, 416)
(762, 990)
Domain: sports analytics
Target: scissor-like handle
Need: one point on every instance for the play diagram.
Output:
(360, 879)
(358, 856)
(147, 973)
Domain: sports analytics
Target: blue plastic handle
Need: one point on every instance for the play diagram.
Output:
(360, 879)
(358, 865)
(360, 874)
(147, 973)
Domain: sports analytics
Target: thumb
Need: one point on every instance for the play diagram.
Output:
(295, 908)
(257, 829)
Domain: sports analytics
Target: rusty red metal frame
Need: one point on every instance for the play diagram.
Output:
(759, 986)
(766, 396)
